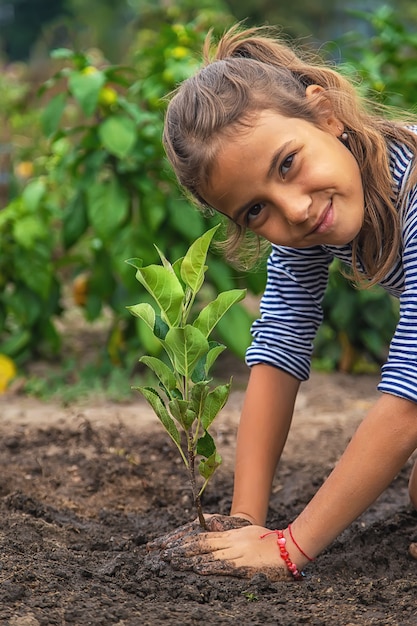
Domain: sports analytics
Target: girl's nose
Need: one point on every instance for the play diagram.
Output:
(295, 208)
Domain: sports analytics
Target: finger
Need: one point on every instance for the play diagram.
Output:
(185, 549)
(213, 541)
(201, 563)
(197, 542)
(191, 528)
(228, 568)
(223, 568)
(206, 565)
(158, 543)
(219, 523)
(215, 523)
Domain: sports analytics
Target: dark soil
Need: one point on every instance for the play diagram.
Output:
(82, 491)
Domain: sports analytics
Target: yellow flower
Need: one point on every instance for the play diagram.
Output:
(80, 288)
(24, 169)
(179, 52)
(107, 96)
(181, 33)
(90, 69)
(7, 372)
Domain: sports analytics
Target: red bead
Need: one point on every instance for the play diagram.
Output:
(281, 541)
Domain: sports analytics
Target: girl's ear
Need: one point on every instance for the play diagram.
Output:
(324, 108)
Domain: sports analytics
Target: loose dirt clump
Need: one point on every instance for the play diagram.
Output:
(84, 488)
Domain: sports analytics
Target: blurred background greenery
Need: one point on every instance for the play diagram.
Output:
(84, 183)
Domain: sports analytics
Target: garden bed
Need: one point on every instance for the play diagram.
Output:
(84, 488)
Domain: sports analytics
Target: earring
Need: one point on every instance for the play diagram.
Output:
(344, 136)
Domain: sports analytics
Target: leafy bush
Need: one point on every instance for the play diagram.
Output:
(357, 328)
(106, 193)
(386, 60)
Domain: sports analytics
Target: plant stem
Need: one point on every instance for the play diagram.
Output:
(196, 495)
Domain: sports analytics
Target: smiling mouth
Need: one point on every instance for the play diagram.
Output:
(325, 221)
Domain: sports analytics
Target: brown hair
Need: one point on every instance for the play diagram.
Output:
(251, 70)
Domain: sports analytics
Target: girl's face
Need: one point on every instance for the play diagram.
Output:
(290, 182)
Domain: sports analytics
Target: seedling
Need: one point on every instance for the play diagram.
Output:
(186, 403)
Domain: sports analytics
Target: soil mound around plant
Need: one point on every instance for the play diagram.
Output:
(84, 488)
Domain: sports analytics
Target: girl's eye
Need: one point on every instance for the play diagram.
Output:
(253, 212)
(286, 164)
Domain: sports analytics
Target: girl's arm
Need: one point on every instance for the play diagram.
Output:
(263, 429)
(380, 447)
(378, 450)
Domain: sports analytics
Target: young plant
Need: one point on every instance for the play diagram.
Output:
(185, 402)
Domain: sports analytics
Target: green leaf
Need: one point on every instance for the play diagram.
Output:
(182, 413)
(198, 397)
(85, 87)
(134, 111)
(207, 467)
(185, 347)
(74, 222)
(215, 401)
(158, 406)
(176, 266)
(35, 269)
(51, 115)
(145, 311)
(33, 194)
(16, 343)
(135, 262)
(160, 329)
(147, 340)
(203, 366)
(162, 371)
(199, 371)
(205, 445)
(107, 207)
(24, 305)
(212, 355)
(185, 218)
(165, 261)
(93, 306)
(165, 288)
(28, 230)
(372, 340)
(193, 265)
(62, 53)
(209, 317)
(234, 329)
(118, 135)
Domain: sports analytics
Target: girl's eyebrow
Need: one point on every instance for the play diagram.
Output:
(276, 157)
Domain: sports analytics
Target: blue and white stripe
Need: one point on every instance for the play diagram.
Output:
(291, 310)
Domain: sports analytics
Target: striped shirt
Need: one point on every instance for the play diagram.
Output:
(291, 309)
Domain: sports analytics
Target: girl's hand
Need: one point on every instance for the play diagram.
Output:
(239, 552)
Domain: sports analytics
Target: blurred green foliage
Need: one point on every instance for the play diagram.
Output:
(357, 328)
(91, 187)
(386, 63)
(105, 194)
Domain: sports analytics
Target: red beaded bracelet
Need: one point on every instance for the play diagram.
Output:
(281, 541)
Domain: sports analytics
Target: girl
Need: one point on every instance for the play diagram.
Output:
(285, 149)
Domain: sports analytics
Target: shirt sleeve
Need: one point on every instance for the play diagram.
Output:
(399, 374)
(291, 309)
